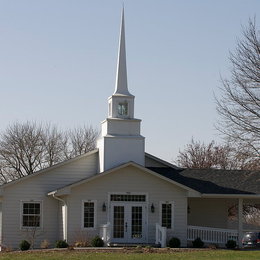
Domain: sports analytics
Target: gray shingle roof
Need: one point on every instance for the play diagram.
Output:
(214, 181)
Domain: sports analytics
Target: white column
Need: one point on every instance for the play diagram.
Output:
(240, 222)
(65, 221)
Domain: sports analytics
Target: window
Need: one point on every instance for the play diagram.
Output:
(31, 216)
(127, 197)
(88, 214)
(123, 109)
(166, 215)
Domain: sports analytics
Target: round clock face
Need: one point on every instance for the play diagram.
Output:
(122, 109)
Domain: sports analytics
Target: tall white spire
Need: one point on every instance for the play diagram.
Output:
(121, 140)
(121, 74)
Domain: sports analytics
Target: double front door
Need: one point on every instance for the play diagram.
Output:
(128, 222)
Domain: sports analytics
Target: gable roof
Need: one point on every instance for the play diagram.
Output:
(247, 181)
(214, 181)
(49, 168)
(203, 181)
(66, 189)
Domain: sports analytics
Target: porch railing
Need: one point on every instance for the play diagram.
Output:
(211, 235)
(105, 233)
(160, 235)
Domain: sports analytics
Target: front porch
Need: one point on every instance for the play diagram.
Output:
(218, 227)
(208, 235)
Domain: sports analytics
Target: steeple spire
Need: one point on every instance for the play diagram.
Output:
(121, 75)
(121, 140)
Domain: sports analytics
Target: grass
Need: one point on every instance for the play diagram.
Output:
(132, 255)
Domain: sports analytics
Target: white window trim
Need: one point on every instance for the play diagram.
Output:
(160, 213)
(21, 214)
(111, 203)
(82, 215)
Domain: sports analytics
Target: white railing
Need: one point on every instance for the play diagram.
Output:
(211, 235)
(160, 234)
(105, 233)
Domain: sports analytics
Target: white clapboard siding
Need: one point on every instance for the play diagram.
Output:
(208, 212)
(36, 188)
(129, 179)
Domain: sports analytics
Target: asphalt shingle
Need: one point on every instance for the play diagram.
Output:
(214, 181)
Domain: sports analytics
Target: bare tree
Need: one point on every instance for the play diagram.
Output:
(239, 103)
(54, 142)
(251, 213)
(21, 149)
(200, 155)
(28, 147)
(33, 232)
(81, 140)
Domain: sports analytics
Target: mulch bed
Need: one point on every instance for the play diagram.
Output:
(124, 250)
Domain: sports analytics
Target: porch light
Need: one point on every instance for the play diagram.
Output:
(188, 209)
(104, 207)
(152, 208)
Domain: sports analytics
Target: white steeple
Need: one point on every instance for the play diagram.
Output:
(120, 140)
(121, 103)
(121, 73)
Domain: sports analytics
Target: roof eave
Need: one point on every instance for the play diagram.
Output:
(231, 196)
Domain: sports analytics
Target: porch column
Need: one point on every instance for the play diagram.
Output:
(240, 222)
(65, 221)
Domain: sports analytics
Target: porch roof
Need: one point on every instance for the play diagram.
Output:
(214, 181)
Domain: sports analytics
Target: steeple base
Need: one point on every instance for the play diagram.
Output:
(115, 150)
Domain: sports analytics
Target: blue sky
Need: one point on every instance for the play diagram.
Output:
(58, 63)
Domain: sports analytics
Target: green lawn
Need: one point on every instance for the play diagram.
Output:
(131, 255)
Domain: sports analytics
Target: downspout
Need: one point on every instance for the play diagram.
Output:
(65, 235)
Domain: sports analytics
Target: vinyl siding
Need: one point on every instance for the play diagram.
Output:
(36, 188)
(128, 179)
(208, 212)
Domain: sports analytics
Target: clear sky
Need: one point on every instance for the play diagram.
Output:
(58, 63)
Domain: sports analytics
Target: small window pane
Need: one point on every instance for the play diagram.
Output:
(31, 214)
(167, 215)
(127, 197)
(88, 214)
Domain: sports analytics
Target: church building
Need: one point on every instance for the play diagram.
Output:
(123, 194)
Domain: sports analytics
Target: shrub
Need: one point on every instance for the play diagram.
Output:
(197, 243)
(231, 244)
(174, 242)
(24, 245)
(45, 244)
(61, 244)
(97, 242)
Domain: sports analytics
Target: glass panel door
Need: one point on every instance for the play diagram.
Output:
(129, 224)
(118, 221)
(137, 222)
